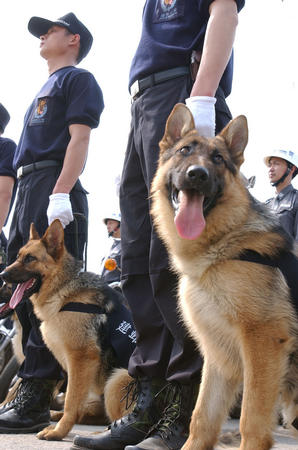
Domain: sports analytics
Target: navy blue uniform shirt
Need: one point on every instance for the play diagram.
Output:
(7, 151)
(171, 31)
(70, 96)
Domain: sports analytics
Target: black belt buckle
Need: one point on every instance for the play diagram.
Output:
(139, 86)
(135, 89)
(25, 170)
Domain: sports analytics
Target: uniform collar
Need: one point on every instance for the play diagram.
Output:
(284, 192)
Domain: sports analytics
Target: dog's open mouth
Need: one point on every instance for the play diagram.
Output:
(189, 212)
(25, 289)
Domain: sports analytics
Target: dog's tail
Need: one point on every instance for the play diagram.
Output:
(114, 393)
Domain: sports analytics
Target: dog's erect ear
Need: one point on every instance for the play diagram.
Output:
(179, 122)
(53, 239)
(33, 233)
(235, 135)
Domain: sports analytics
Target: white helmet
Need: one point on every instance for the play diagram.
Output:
(112, 216)
(288, 155)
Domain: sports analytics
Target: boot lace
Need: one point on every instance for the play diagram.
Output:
(136, 393)
(132, 394)
(23, 396)
(166, 426)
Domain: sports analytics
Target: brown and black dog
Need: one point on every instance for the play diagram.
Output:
(235, 298)
(57, 287)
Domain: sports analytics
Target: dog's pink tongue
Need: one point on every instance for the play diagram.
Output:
(18, 293)
(189, 220)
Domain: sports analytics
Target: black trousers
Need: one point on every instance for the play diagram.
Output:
(164, 348)
(31, 206)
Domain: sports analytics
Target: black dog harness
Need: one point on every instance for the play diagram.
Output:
(286, 262)
(119, 331)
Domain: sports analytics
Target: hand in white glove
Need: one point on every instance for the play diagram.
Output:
(60, 208)
(203, 111)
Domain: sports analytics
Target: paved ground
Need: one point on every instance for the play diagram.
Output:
(29, 441)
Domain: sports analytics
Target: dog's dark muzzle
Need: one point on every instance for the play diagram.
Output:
(5, 276)
(10, 277)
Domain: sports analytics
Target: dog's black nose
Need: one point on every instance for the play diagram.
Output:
(3, 275)
(197, 174)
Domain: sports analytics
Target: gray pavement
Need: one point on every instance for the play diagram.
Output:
(28, 441)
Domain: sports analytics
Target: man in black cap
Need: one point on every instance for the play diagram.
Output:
(49, 159)
(7, 179)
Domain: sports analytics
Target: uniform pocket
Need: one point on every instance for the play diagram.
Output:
(41, 112)
(167, 10)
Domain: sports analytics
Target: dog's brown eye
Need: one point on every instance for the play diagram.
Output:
(217, 158)
(185, 150)
(29, 258)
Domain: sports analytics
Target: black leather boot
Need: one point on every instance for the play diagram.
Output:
(29, 411)
(130, 429)
(171, 431)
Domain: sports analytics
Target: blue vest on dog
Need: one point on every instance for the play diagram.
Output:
(120, 332)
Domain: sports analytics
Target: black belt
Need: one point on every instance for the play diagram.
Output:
(140, 85)
(24, 170)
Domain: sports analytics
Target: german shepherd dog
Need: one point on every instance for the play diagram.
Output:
(57, 287)
(228, 251)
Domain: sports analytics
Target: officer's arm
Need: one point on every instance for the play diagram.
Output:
(6, 189)
(296, 219)
(75, 158)
(217, 47)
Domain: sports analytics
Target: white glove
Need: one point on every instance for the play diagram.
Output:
(203, 111)
(60, 208)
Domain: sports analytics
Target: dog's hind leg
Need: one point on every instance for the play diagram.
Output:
(289, 397)
(265, 348)
(82, 369)
(216, 396)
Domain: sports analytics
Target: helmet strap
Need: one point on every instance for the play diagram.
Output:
(282, 179)
(111, 233)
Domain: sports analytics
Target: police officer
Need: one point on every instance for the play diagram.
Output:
(8, 178)
(113, 223)
(165, 364)
(49, 159)
(282, 166)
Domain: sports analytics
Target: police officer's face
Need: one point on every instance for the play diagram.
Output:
(277, 167)
(112, 225)
(55, 42)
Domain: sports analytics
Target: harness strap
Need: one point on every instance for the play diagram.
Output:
(83, 307)
(286, 262)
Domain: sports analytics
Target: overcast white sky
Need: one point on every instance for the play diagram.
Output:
(265, 85)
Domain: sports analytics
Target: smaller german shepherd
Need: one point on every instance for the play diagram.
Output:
(81, 320)
(237, 300)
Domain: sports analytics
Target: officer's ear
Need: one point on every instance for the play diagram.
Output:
(293, 171)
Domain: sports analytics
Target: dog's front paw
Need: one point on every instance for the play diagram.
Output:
(49, 434)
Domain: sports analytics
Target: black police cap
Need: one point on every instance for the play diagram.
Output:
(39, 26)
(4, 118)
